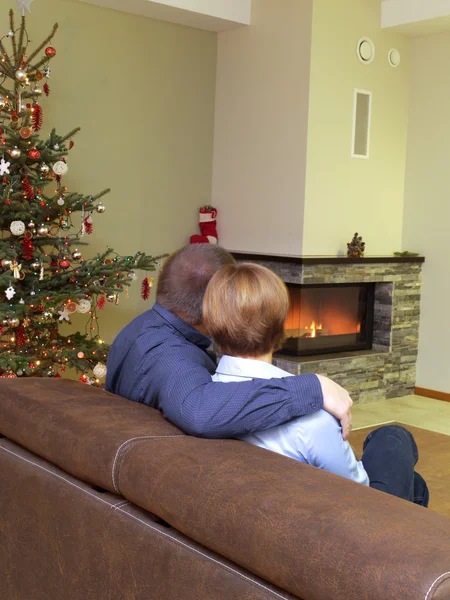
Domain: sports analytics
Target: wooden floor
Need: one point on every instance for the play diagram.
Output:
(433, 465)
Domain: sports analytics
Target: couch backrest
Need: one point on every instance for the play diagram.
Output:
(316, 535)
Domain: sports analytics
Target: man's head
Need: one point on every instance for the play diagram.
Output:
(244, 310)
(185, 276)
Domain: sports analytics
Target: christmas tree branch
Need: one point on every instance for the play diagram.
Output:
(70, 135)
(20, 46)
(44, 43)
(7, 65)
(11, 24)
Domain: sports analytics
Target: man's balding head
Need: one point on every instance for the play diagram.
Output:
(185, 276)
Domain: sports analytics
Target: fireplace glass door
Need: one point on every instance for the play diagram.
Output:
(329, 318)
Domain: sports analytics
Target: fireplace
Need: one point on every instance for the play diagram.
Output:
(325, 319)
(386, 334)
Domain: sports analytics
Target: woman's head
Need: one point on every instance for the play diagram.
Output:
(244, 310)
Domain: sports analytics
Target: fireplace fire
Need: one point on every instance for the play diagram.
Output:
(329, 318)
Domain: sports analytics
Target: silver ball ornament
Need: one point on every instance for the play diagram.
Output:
(111, 297)
(132, 275)
(43, 230)
(14, 322)
(100, 208)
(65, 225)
(31, 225)
(35, 266)
(5, 263)
(15, 153)
(76, 254)
(60, 201)
(21, 75)
(44, 169)
(50, 372)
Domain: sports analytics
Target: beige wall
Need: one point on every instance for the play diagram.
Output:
(427, 204)
(143, 93)
(343, 194)
(261, 128)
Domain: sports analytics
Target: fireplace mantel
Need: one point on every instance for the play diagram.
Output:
(324, 260)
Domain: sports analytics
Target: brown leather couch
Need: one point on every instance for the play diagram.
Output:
(102, 499)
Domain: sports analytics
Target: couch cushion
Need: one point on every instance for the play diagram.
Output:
(81, 429)
(316, 535)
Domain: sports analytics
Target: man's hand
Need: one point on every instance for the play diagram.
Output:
(337, 401)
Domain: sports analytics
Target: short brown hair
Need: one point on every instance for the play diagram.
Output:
(184, 277)
(245, 308)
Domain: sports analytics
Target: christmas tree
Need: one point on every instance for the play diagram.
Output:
(43, 226)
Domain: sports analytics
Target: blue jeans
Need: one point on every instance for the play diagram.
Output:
(389, 457)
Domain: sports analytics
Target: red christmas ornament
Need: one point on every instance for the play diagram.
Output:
(2, 329)
(50, 52)
(146, 289)
(88, 225)
(28, 188)
(57, 376)
(53, 262)
(46, 89)
(37, 117)
(20, 337)
(27, 248)
(101, 302)
(71, 144)
(34, 154)
(64, 263)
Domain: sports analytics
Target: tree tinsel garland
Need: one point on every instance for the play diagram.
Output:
(27, 248)
(101, 302)
(88, 225)
(46, 89)
(20, 337)
(145, 289)
(28, 188)
(37, 117)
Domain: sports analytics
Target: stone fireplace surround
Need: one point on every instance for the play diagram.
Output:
(389, 369)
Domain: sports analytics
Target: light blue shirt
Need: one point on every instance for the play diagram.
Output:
(314, 439)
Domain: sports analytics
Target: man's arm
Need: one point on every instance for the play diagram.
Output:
(187, 397)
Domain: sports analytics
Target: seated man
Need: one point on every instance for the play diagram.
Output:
(244, 309)
(160, 359)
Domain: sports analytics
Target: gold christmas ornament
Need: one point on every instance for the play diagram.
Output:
(15, 153)
(14, 322)
(100, 208)
(80, 355)
(43, 230)
(21, 75)
(44, 169)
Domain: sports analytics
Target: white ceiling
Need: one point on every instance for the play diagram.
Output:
(211, 15)
(416, 17)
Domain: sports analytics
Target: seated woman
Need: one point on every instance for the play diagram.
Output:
(244, 310)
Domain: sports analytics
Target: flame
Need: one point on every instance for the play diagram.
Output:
(314, 328)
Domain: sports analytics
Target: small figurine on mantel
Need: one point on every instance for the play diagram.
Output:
(355, 248)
